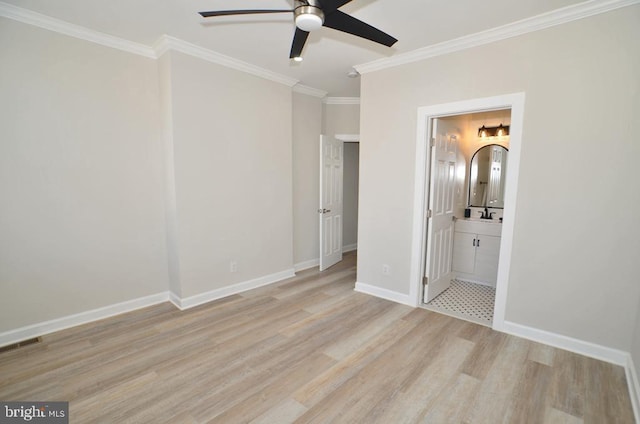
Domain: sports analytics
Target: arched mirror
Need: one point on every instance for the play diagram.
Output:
(487, 176)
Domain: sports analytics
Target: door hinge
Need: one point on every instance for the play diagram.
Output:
(432, 142)
(429, 213)
(425, 281)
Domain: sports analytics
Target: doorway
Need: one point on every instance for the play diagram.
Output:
(426, 118)
(338, 208)
(466, 203)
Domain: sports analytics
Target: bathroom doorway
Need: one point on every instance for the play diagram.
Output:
(470, 281)
(466, 203)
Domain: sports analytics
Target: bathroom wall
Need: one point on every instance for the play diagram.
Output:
(466, 129)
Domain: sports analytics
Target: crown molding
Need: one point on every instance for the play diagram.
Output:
(161, 46)
(47, 22)
(167, 42)
(546, 20)
(310, 91)
(342, 100)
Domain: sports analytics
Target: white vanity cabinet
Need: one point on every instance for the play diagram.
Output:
(476, 250)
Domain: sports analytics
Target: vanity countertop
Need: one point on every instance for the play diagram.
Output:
(486, 221)
(489, 227)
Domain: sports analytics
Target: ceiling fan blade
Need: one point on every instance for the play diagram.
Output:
(299, 38)
(241, 12)
(346, 23)
(330, 6)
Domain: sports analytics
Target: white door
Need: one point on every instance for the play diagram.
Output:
(440, 216)
(331, 202)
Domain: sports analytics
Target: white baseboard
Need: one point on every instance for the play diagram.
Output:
(634, 386)
(383, 293)
(199, 299)
(349, 247)
(301, 266)
(42, 328)
(592, 350)
(175, 299)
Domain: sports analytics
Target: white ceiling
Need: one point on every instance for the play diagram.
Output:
(265, 40)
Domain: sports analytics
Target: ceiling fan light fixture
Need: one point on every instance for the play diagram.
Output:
(309, 18)
(297, 59)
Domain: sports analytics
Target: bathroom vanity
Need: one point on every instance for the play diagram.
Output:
(476, 250)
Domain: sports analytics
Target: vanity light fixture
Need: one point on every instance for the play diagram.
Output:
(499, 131)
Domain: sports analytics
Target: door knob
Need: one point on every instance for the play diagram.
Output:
(324, 210)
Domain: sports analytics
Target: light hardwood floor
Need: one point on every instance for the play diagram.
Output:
(309, 350)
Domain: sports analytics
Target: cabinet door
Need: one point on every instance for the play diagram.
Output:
(487, 255)
(464, 252)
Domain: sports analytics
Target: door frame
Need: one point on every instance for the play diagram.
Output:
(515, 102)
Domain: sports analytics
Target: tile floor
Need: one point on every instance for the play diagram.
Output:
(468, 301)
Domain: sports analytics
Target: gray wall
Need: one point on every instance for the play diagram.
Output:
(340, 119)
(108, 158)
(572, 269)
(350, 190)
(307, 121)
(81, 176)
(232, 155)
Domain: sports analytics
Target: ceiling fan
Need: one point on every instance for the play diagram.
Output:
(310, 15)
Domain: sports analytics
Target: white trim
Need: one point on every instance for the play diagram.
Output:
(199, 299)
(167, 42)
(350, 248)
(424, 115)
(343, 100)
(634, 386)
(535, 23)
(383, 293)
(58, 324)
(310, 91)
(62, 27)
(175, 299)
(301, 266)
(582, 347)
(347, 138)
(161, 46)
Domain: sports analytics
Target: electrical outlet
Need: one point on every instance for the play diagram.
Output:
(233, 266)
(386, 269)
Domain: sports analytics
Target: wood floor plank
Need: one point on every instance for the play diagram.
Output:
(309, 350)
(427, 394)
(531, 394)
(448, 407)
(496, 393)
(554, 416)
(342, 348)
(482, 358)
(285, 412)
(569, 387)
(610, 402)
(327, 382)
